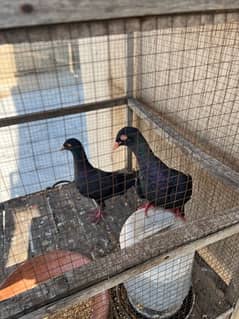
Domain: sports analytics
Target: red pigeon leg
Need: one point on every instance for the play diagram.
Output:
(146, 207)
(178, 214)
(96, 215)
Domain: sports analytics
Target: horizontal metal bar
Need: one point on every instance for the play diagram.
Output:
(211, 164)
(68, 110)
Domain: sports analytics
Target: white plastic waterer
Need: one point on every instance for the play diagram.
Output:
(160, 291)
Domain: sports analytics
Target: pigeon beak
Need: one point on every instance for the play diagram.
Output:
(116, 145)
(62, 148)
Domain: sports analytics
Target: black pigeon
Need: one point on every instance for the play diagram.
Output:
(159, 184)
(95, 183)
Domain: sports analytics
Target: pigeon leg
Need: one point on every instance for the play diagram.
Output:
(179, 214)
(146, 207)
(97, 215)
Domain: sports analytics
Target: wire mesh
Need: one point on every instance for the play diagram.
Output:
(189, 76)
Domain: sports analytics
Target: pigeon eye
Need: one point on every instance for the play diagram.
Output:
(68, 145)
(123, 137)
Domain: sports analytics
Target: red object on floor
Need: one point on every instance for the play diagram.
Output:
(47, 266)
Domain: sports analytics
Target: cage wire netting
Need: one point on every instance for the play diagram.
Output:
(187, 72)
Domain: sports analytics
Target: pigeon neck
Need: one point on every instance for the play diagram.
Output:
(142, 151)
(81, 162)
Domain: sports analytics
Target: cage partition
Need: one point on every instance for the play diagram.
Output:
(174, 78)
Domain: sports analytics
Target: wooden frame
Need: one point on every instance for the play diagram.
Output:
(79, 30)
(16, 14)
(226, 314)
(186, 239)
(235, 313)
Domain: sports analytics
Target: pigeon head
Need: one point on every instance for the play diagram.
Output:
(127, 136)
(72, 144)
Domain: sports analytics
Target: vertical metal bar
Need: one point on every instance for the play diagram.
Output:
(139, 71)
(130, 86)
(130, 64)
(75, 58)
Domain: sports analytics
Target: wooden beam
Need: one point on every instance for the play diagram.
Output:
(226, 314)
(79, 30)
(17, 14)
(235, 313)
(104, 273)
(212, 165)
(232, 290)
(67, 110)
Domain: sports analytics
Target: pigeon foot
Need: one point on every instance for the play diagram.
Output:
(146, 207)
(96, 215)
(179, 214)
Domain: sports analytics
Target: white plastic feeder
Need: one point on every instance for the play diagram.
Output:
(160, 291)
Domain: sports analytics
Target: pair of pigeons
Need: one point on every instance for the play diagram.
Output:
(159, 184)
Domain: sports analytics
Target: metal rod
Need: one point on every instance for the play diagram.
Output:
(68, 110)
(129, 87)
(129, 123)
